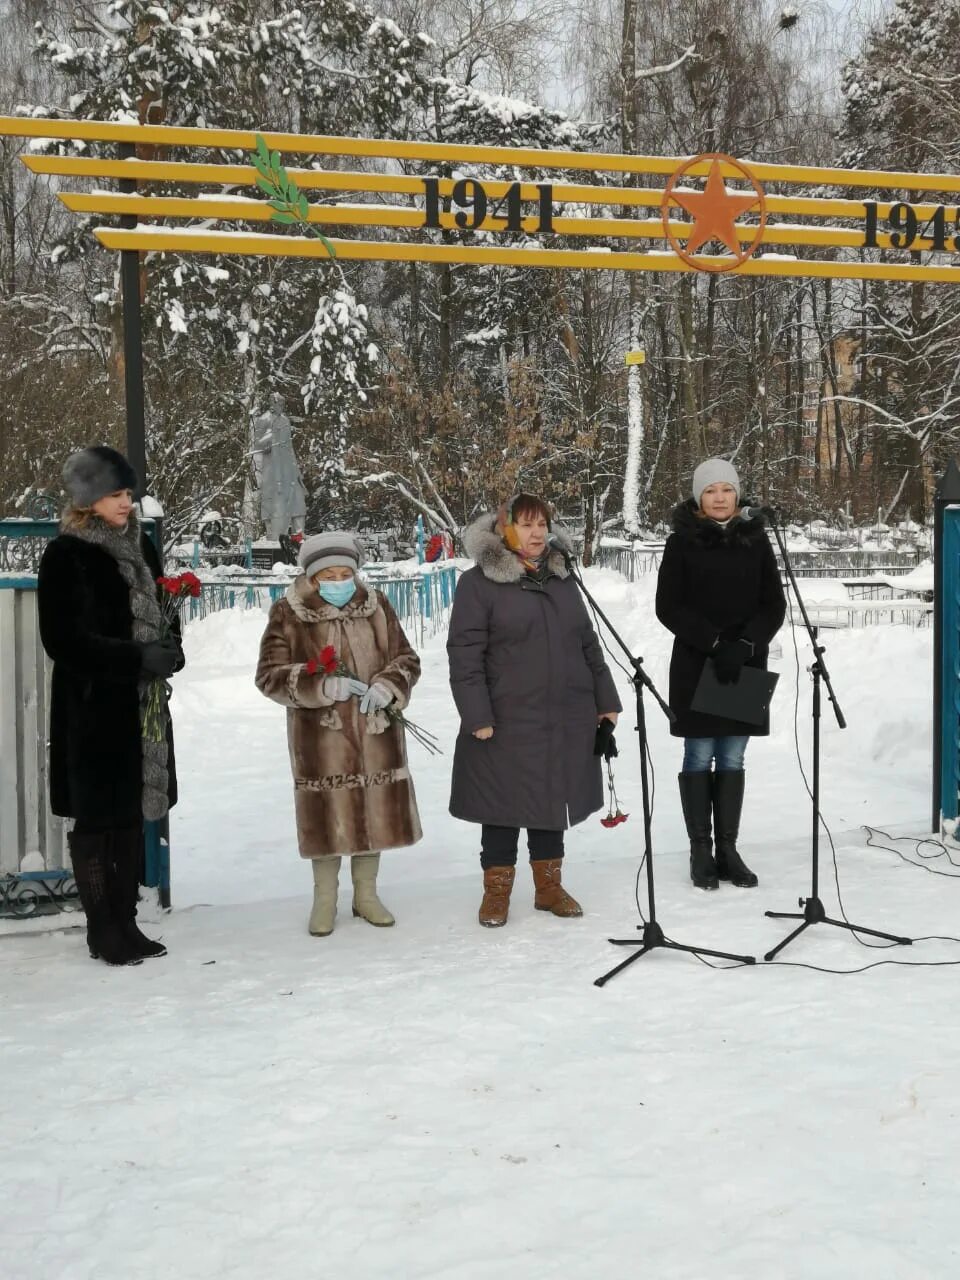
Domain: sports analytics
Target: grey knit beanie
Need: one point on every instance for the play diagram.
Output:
(92, 473)
(323, 550)
(714, 471)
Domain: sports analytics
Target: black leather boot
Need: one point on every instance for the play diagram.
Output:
(727, 805)
(696, 798)
(90, 854)
(127, 854)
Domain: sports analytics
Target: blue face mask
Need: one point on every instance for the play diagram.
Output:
(338, 593)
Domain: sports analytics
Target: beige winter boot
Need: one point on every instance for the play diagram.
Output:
(363, 869)
(326, 872)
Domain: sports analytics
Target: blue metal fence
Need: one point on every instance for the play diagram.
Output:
(421, 601)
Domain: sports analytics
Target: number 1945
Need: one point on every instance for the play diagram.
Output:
(905, 227)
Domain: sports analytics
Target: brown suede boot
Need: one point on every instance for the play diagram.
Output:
(550, 893)
(497, 885)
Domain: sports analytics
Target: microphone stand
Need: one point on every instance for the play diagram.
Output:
(813, 909)
(652, 934)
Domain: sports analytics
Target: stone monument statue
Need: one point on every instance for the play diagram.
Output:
(282, 498)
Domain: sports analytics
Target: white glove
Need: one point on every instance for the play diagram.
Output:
(376, 698)
(340, 688)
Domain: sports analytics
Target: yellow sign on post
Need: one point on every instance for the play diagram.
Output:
(635, 357)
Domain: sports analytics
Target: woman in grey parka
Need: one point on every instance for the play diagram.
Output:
(531, 685)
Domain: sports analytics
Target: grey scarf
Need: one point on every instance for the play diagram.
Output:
(124, 546)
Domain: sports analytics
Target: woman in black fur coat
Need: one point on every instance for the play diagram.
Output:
(719, 592)
(101, 624)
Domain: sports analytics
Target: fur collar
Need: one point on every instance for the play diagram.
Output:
(497, 562)
(121, 544)
(692, 527)
(307, 605)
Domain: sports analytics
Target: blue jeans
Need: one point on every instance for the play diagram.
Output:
(728, 751)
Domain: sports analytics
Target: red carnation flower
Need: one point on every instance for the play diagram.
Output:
(326, 660)
(614, 819)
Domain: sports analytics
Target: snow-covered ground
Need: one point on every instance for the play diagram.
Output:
(443, 1101)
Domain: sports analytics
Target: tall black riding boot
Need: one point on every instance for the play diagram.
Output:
(90, 853)
(696, 797)
(127, 860)
(727, 805)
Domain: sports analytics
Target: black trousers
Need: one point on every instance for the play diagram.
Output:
(498, 845)
(97, 826)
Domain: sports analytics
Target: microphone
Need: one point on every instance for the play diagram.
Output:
(554, 543)
(758, 513)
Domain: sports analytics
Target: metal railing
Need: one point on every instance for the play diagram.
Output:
(421, 601)
(821, 562)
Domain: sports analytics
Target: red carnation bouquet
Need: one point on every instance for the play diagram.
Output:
(328, 662)
(614, 814)
(173, 592)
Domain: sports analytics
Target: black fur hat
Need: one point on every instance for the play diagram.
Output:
(92, 473)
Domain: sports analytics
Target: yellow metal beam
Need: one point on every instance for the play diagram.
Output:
(523, 157)
(401, 184)
(185, 240)
(377, 215)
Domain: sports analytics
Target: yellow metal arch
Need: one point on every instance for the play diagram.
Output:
(375, 210)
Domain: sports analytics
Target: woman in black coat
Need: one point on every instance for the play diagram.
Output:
(719, 592)
(531, 685)
(100, 622)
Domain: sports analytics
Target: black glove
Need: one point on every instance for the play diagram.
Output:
(160, 657)
(728, 657)
(605, 744)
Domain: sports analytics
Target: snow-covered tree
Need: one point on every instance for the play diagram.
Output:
(900, 110)
(291, 327)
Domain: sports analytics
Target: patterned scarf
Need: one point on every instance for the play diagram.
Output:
(124, 546)
(507, 531)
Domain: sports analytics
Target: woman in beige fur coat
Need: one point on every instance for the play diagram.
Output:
(352, 788)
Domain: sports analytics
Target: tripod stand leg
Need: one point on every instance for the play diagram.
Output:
(704, 951)
(872, 933)
(789, 938)
(642, 951)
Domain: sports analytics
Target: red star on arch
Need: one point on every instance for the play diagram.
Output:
(714, 211)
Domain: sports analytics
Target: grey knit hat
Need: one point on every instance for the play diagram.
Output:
(92, 473)
(714, 471)
(323, 550)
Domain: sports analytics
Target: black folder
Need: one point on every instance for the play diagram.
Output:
(747, 700)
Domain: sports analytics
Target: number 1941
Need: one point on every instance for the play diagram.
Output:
(474, 205)
(906, 227)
